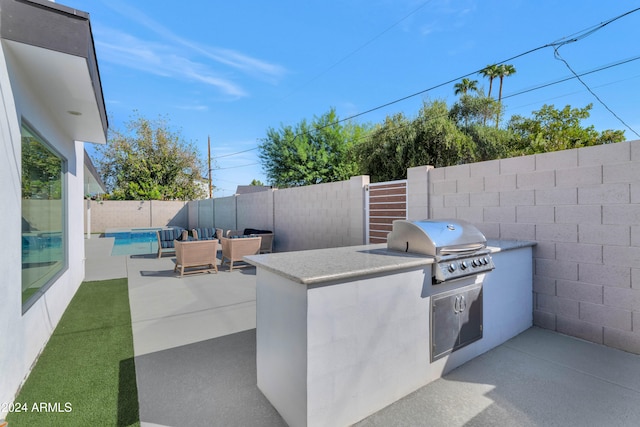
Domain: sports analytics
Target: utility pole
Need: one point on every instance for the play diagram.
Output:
(209, 157)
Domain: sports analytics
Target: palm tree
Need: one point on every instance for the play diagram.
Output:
(491, 72)
(504, 70)
(465, 86)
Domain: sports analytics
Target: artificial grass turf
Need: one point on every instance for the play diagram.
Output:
(86, 374)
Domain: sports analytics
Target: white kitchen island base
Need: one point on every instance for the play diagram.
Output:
(344, 332)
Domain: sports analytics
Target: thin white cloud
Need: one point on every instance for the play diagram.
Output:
(192, 107)
(237, 60)
(159, 59)
(428, 29)
(243, 62)
(455, 13)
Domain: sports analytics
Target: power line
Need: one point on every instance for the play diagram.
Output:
(235, 167)
(575, 37)
(582, 35)
(605, 67)
(238, 152)
(426, 119)
(341, 60)
(356, 50)
(588, 31)
(557, 56)
(561, 42)
(542, 86)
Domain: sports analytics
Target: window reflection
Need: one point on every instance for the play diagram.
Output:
(43, 238)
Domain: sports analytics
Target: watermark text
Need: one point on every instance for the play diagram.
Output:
(46, 407)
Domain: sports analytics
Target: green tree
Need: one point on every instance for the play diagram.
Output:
(490, 143)
(41, 171)
(551, 129)
(442, 143)
(256, 182)
(465, 86)
(149, 161)
(311, 153)
(432, 138)
(474, 110)
(491, 72)
(383, 155)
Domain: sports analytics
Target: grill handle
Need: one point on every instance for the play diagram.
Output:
(468, 248)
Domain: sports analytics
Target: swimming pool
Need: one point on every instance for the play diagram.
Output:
(135, 241)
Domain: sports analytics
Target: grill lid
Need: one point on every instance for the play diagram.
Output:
(435, 237)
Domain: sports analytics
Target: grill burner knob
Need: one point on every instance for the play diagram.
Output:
(464, 265)
(476, 262)
(452, 267)
(485, 261)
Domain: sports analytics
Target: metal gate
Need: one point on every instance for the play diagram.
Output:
(386, 202)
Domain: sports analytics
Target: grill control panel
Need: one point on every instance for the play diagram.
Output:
(451, 269)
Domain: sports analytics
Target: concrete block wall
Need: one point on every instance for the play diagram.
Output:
(418, 193)
(204, 213)
(582, 207)
(193, 214)
(305, 217)
(137, 214)
(320, 216)
(224, 213)
(169, 213)
(119, 214)
(255, 210)
(310, 217)
(357, 212)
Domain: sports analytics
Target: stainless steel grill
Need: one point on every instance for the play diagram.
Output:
(459, 248)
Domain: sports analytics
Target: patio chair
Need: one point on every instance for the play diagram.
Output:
(196, 254)
(204, 233)
(234, 233)
(168, 236)
(266, 246)
(234, 249)
(267, 237)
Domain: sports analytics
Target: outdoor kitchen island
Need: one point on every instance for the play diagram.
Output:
(344, 332)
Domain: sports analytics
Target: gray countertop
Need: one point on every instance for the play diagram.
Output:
(507, 245)
(335, 264)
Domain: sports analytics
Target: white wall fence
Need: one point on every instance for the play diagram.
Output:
(581, 206)
(311, 217)
(102, 215)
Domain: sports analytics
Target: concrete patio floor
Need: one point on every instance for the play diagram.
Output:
(194, 343)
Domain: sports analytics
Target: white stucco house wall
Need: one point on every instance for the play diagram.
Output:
(51, 97)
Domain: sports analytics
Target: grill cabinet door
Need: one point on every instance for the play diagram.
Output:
(444, 325)
(470, 317)
(456, 320)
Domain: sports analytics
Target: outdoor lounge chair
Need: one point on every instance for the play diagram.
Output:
(266, 245)
(194, 254)
(167, 237)
(234, 233)
(234, 249)
(267, 237)
(204, 233)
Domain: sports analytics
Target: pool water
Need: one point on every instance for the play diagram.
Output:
(134, 242)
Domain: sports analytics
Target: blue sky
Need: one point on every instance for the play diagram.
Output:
(231, 70)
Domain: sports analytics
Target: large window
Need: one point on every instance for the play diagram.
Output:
(43, 216)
